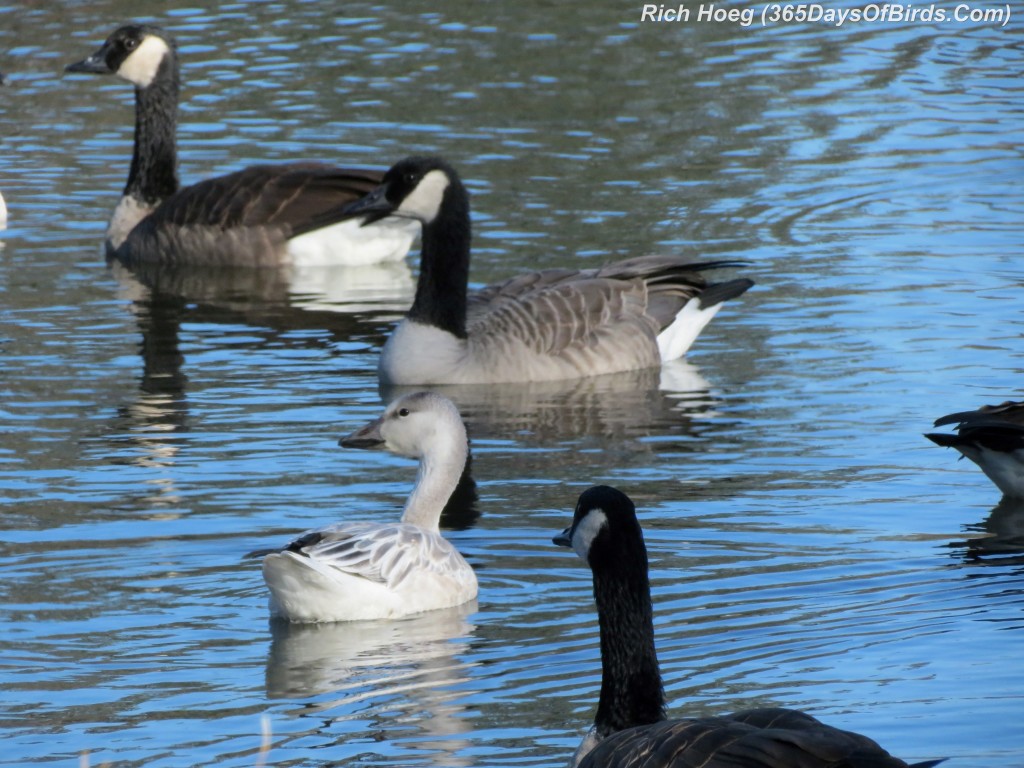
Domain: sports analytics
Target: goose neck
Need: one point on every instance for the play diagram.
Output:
(439, 472)
(153, 176)
(631, 689)
(444, 267)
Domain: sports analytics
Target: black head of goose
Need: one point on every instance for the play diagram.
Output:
(993, 438)
(540, 326)
(264, 215)
(630, 729)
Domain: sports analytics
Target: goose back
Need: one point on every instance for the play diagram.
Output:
(760, 738)
(561, 324)
(249, 217)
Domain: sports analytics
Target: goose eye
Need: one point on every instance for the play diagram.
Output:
(403, 412)
(410, 179)
(130, 43)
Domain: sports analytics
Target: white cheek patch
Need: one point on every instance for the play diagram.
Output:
(142, 64)
(425, 200)
(586, 531)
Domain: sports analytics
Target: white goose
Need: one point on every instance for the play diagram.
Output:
(265, 215)
(630, 729)
(363, 570)
(540, 326)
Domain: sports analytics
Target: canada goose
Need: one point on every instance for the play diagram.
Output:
(993, 438)
(364, 570)
(264, 215)
(540, 326)
(630, 729)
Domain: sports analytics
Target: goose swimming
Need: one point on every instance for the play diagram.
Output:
(540, 326)
(289, 214)
(366, 570)
(630, 729)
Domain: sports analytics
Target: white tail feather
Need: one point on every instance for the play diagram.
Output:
(674, 341)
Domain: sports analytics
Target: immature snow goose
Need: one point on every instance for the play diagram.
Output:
(264, 215)
(366, 570)
(540, 326)
(993, 438)
(630, 729)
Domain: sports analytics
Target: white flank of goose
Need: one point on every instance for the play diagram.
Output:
(630, 729)
(264, 215)
(366, 570)
(993, 438)
(541, 326)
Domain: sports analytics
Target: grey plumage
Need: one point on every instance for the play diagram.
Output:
(541, 326)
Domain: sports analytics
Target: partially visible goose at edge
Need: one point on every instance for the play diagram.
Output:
(993, 438)
(3, 205)
(630, 729)
(366, 570)
(540, 326)
(264, 215)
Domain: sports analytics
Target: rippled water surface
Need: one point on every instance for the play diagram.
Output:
(809, 547)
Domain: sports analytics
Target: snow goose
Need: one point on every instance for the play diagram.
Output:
(993, 438)
(540, 326)
(264, 215)
(366, 570)
(630, 729)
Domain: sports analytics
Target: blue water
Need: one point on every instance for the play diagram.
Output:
(809, 547)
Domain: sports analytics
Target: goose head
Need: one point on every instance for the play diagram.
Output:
(415, 426)
(605, 532)
(138, 53)
(419, 188)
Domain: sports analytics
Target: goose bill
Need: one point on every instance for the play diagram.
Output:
(564, 539)
(368, 436)
(374, 206)
(95, 64)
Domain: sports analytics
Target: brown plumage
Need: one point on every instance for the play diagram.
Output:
(256, 217)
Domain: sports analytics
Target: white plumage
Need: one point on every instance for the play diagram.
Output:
(365, 570)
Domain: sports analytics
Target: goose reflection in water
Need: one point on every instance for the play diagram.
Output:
(611, 411)
(409, 670)
(1000, 539)
(289, 290)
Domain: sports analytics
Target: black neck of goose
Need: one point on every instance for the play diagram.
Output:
(444, 266)
(631, 691)
(154, 175)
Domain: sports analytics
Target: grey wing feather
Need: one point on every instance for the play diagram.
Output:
(386, 554)
(554, 309)
(554, 313)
